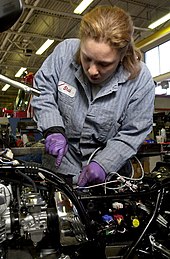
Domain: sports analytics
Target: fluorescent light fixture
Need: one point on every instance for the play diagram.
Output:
(44, 47)
(5, 88)
(20, 72)
(159, 21)
(82, 6)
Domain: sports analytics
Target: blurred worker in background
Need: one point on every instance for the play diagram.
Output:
(97, 99)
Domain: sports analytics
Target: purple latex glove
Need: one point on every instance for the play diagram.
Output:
(56, 145)
(92, 173)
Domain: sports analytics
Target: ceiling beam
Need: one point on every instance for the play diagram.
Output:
(154, 37)
(34, 35)
(51, 12)
(18, 66)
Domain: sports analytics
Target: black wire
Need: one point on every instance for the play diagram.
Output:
(28, 178)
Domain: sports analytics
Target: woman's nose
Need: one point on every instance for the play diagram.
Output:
(93, 70)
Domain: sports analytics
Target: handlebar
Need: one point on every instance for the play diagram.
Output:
(19, 85)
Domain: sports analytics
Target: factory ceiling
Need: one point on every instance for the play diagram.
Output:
(42, 20)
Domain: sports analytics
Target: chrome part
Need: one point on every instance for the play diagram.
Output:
(72, 230)
(34, 220)
(159, 247)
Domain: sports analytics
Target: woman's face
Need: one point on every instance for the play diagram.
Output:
(99, 60)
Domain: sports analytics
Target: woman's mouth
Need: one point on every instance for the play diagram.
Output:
(94, 78)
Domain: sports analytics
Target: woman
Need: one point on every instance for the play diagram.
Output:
(97, 98)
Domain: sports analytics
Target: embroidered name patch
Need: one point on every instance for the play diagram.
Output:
(66, 89)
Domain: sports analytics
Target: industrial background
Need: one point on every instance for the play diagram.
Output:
(42, 20)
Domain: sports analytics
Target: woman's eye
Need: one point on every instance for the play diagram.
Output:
(104, 65)
(87, 59)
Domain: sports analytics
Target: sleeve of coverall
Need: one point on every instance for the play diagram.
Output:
(45, 107)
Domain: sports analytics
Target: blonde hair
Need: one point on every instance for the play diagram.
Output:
(114, 26)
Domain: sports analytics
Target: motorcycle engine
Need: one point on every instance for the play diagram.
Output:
(28, 211)
(39, 210)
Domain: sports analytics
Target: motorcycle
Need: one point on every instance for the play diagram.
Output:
(44, 215)
(122, 218)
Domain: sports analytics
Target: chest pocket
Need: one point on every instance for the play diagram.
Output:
(106, 121)
(107, 127)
